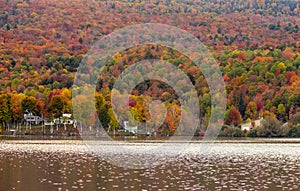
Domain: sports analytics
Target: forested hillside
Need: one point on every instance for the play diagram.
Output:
(256, 44)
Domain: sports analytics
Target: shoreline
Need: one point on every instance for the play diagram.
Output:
(58, 138)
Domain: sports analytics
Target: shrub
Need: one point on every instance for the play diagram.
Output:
(229, 131)
(238, 133)
(294, 132)
(271, 127)
(295, 119)
(226, 131)
(252, 133)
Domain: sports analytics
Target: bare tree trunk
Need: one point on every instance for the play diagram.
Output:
(51, 128)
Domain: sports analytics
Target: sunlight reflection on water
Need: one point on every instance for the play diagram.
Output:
(69, 165)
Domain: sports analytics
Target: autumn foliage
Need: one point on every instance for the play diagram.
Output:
(43, 42)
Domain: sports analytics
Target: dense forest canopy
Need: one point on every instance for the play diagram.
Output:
(256, 44)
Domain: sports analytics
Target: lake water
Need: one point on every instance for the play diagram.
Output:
(71, 165)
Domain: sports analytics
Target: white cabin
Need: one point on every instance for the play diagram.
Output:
(66, 119)
(130, 129)
(32, 118)
(249, 126)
